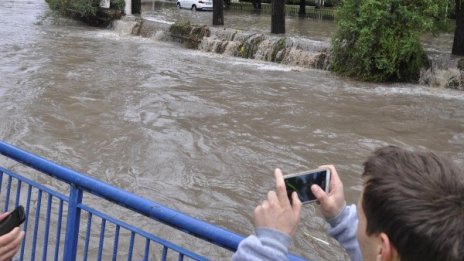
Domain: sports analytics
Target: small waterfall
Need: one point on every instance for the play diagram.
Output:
(443, 78)
(293, 51)
(285, 50)
(154, 29)
(125, 26)
(445, 71)
(265, 50)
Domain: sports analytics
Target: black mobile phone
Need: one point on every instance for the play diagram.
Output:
(301, 183)
(14, 219)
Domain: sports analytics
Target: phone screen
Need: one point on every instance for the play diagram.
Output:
(301, 183)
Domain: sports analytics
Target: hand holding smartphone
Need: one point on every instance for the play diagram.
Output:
(14, 219)
(301, 183)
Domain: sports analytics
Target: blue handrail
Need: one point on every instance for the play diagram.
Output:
(80, 183)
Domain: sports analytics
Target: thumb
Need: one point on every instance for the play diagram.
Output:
(4, 215)
(320, 194)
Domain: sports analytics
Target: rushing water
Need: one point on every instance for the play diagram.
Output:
(196, 131)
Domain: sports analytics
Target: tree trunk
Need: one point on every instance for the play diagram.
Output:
(302, 10)
(278, 17)
(218, 12)
(136, 6)
(256, 4)
(458, 43)
(227, 4)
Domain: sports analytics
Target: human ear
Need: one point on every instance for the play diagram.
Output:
(386, 251)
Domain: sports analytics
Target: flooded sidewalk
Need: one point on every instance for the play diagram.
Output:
(245, 20)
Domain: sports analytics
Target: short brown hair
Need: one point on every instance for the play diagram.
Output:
(417, 199)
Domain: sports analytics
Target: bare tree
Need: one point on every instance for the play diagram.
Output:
(218, 12)
(136, 6)
(302, 10)
(458, 43)
(278, 17)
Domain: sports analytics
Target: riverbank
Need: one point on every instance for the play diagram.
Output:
(444, 71)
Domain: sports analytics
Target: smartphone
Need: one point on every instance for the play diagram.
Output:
(301, 183)
(14, 219)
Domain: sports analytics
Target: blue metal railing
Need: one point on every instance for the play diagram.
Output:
(66, 210)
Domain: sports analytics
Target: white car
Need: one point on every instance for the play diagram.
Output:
(195, 4)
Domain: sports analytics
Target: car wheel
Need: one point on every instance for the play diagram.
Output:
(178, 5)
(194, 7)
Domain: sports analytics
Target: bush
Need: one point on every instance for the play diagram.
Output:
(58, 5)
(85, 7)
(81, 7)
(378, 40)
(118, 4)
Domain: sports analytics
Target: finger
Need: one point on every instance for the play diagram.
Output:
(265, 204)
(334, 178)
(280, 188)
(257, 210)
(4, 215)
(17, 240)
(21, 236)
(9, 244)
(320, 194)
(9, 237)
(9, 253)
(272, 197)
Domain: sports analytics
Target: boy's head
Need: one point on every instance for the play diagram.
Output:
(412, 207)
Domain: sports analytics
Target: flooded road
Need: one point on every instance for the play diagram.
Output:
(200, 132)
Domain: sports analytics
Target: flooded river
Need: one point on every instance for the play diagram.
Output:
(201, 132)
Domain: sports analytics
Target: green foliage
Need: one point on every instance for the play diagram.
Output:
(85, 7)
(57, 5)
(189, 34)
(181, 28)
(81, 7)
(278, 47)
(118, 4)
(460, 64)
(249, 47)
(378, 40)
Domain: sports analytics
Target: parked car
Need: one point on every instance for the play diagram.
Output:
(195, 4)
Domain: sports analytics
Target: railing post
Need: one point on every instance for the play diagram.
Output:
(72, 225)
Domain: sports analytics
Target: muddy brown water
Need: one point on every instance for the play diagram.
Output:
(200, 132)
